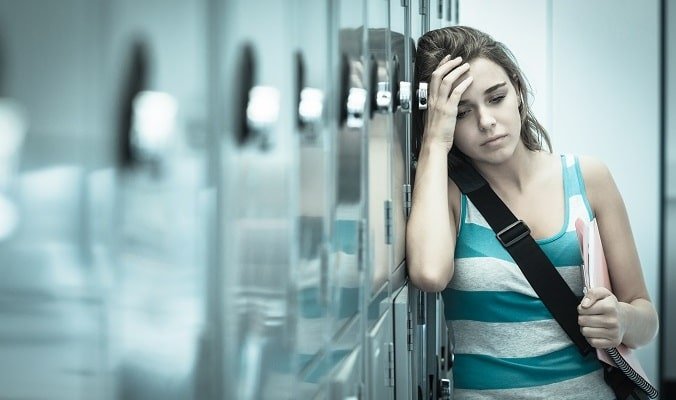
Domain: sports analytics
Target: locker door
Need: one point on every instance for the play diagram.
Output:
(51, 297)
(348, 258)
(420, 18)
(437, 13)
(315, 179)
(155, 74)
(379, 129)
(400, 60)
(258, 198)
(404, 387)
(379, 355)
(345, 381)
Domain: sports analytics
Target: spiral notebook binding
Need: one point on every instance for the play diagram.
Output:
(631, 374)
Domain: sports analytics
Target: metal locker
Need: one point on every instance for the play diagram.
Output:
(379, 354)
(345, 383)
(445, 345)
(404, 387)
(400, 71)
(52, 302)
(258, 204)
(312, 273)
(420, 18)
(379, 130)
(349, 225)
(157, 302)
(437, 13)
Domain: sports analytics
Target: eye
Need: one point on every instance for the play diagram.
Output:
(497, 99)
(462, 114)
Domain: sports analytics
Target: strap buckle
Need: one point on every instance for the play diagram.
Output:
(513, 233)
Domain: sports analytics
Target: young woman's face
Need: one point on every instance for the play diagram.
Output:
(488, 125)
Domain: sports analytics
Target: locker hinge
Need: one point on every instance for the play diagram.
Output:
(407, 199)
(422, 7)
(388, 222)
(409, 330)
(361, 245)
(389, 373)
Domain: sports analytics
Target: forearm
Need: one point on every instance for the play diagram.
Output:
(429, 239)
(641, 322)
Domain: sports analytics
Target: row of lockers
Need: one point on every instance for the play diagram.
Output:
(207, 199)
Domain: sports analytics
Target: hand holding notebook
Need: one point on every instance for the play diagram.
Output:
(595, 274)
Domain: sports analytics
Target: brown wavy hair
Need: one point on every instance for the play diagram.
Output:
(470, 43)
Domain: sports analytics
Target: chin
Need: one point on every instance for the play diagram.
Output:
(495, 157)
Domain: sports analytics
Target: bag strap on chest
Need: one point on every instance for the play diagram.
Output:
(515, 237)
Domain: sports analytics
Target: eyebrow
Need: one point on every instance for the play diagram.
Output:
(489, 90)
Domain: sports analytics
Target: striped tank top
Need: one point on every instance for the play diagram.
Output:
(507, 344)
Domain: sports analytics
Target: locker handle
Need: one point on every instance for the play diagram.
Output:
(382, 96)
(310, 102)
(405, 96)
(445, 389)
(353, 99)
(422, 96)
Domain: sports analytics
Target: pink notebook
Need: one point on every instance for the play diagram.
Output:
(595, 272)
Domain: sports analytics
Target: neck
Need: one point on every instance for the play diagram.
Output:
(513, 174)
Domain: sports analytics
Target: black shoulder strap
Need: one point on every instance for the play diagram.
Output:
(533, 262)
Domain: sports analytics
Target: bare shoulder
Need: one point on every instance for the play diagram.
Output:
(598, 181)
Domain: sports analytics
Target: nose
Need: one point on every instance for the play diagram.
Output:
(486, 120)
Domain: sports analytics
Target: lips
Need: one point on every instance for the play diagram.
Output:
(494, 139)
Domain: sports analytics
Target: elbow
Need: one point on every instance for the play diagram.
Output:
(433, 279)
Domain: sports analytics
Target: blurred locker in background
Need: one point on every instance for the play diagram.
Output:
(52, 308)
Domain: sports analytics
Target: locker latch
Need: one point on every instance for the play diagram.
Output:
(311, 105)
(445, 389)
(383, 97)
(356, 105)
(262, 111)
(405, 96)
(422, 96)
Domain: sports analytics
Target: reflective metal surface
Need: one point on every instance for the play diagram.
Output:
(206, 199)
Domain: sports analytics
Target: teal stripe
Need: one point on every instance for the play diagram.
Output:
(583, 189)
(490, 306)
(570, 177)
(478, 241)
(483, 372)
(565, 251)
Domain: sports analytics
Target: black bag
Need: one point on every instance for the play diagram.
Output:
(514, 235)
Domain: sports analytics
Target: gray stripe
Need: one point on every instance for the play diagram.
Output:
(507, 340)
(492, 274)
(586, 387)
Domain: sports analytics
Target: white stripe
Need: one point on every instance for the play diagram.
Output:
(493, 274)
(509, 339)
(586, 387)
